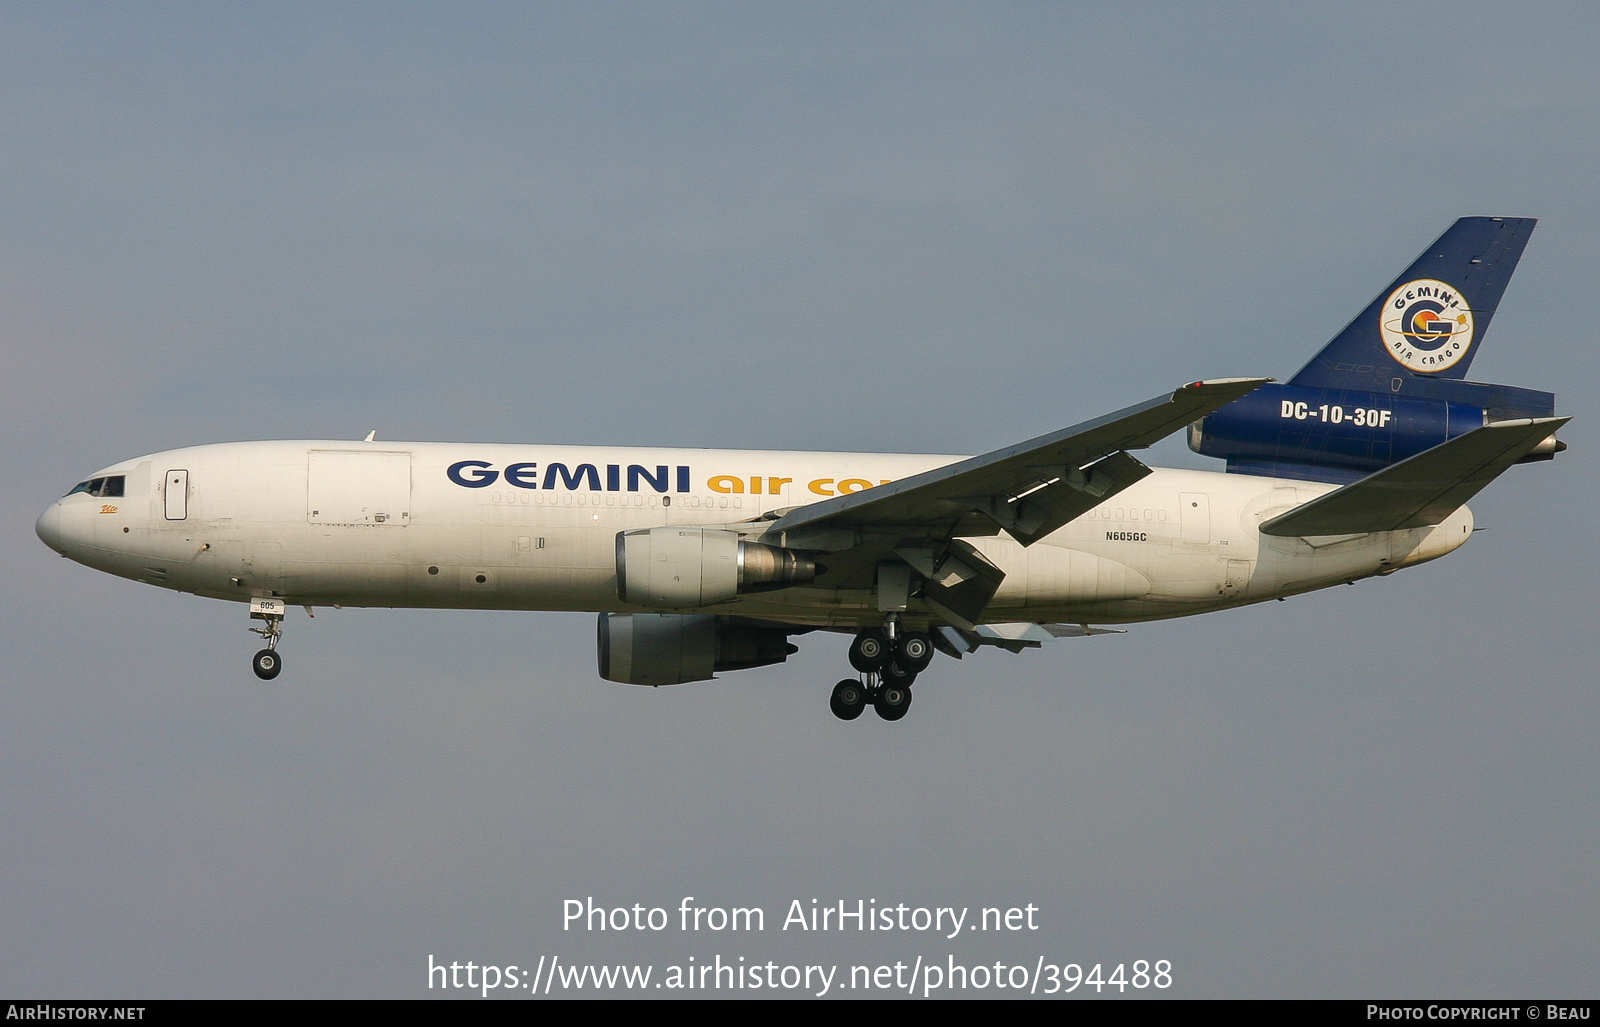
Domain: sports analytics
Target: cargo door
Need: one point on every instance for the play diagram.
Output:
(358, 487)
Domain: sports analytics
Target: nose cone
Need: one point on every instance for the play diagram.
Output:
(48, 527)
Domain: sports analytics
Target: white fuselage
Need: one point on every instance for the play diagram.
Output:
(534, 528)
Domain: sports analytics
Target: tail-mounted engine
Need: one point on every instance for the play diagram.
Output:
(1338, 435)
(683, 568)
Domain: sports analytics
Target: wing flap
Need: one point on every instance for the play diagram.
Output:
(1012, 637)
(1422, 490)
(960, 585)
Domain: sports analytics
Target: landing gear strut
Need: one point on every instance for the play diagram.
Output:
(267, 663)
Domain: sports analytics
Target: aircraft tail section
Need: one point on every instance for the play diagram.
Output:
(1391, 386)
(1422, 490)
(1426, 324)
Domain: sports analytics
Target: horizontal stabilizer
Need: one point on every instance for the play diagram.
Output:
(1422, 490)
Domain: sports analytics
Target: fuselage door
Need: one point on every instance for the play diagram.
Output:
(359, 487)
(1194, 516)
(177, 489)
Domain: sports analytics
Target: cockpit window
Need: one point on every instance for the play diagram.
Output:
(112, 486)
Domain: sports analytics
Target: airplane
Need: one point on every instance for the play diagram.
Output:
(702, 562)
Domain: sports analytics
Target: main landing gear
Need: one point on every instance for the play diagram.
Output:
(267, 663)
(889, 661)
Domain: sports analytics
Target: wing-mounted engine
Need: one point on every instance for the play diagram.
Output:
(679, 568)
(673, 648)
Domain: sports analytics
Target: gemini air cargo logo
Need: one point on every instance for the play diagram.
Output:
(1426, 325)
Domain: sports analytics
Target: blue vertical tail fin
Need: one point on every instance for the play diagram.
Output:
(1425, 326)
(1393, 384)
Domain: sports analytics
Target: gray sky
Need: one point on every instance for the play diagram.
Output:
(897, 227)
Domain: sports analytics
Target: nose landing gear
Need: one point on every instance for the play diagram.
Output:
(267, 663)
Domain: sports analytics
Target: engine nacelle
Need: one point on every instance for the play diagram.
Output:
(680, 568)
(1327, 434)
(672, 648)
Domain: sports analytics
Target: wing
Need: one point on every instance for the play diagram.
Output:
(904, 541)
(1027, 490)
(1421, 490)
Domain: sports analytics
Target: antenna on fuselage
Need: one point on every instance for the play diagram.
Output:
(373, 434)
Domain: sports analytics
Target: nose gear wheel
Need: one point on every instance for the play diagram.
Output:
(267, 663)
